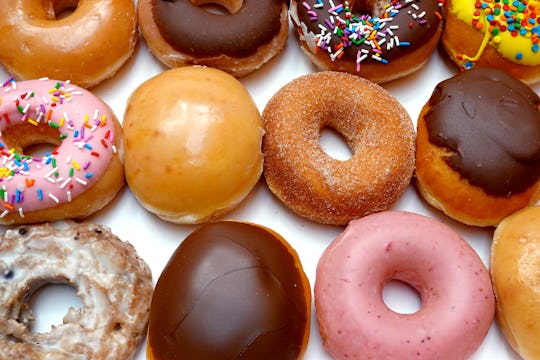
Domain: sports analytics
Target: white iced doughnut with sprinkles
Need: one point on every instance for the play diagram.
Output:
(81, 173)
(380, 40)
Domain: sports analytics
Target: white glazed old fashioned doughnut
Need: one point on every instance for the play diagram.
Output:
(114, 284)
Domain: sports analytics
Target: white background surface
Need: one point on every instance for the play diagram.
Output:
(155, 239)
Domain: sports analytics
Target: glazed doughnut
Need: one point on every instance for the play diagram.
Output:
(253, 298)
(238, 42)
(497, 34)
(114, 284)
(86, 47)
(316, 186)
(192, 144)
(379, 40)
(478, 147)
(453, 284)
(514, 271)
(79, 176)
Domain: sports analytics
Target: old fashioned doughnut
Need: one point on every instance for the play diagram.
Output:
(192, 144)
(231, 290)
(376, 127)
(114, 284)
(380, 40)
(86, 47)
(184, 32)
(79, 176)
(495, 33)
(478, 147)
(515, 260)
(453, 284)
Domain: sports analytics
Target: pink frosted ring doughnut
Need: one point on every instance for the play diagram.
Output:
(453, 284)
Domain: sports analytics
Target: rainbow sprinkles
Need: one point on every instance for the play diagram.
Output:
(86, 143)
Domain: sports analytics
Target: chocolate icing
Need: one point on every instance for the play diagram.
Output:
(413, 27)
(491, 124)
(230, 291)
(192, 30)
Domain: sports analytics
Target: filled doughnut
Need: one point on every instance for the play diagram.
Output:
(499, 34)
(86, 47)
(376, 128)
(379, 40)
(231, 290)
(515, 264)
(83, 171)
(113, 283)
(241, 40)
(453, 284)
(192, 144)
(478, 147)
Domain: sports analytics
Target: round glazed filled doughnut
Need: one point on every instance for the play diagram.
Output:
(192, 144)
(79, 176)
(114, 284)
(378, 40)
(478, 147)
(453, 284)
(316, 186)
(514, 270)
(240, 41)
(500, 34)
(231, 290)
(86, 47)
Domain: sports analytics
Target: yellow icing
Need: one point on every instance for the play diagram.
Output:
(523, 48)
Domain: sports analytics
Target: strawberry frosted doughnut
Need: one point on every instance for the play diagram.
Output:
(80, 176)
(453, 283)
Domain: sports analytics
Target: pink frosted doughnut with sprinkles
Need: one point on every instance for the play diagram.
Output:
(381, 40)
(83, 170)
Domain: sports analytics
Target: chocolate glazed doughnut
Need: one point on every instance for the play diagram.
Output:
(181, 32)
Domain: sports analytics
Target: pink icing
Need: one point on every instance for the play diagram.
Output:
(454, 286)
(87, 135)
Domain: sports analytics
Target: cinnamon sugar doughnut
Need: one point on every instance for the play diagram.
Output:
(375, 126)
(114, 284)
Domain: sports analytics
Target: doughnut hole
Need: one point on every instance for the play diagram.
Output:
(334, 144)
(220, 7)
(401, 297)
(61, 9)
(375, 8)
(30, 139)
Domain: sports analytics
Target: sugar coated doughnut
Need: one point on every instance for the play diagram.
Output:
(192, 144)
(376, 127)
(241, 40)
(515, 264)
(87, 46)
(84, 171)
(380, 40)
(231, 290)
(478, 147)
(114, 284)
(500, 34)
(453, 284)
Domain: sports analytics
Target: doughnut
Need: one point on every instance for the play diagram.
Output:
(514, 271)
(376, 128)
(453, 284)
(478, 147)
(113, 283)
(192, 144)
(231, 290)
(380, 40)
(500, 34)
(245, 37)
(86, 47)
(80, 175)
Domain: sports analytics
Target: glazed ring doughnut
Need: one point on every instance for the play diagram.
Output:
(376, 127)
(182, 32)
(79, 176)
(452, 281)
(114, 284)
(380, 40)
(86, 47)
